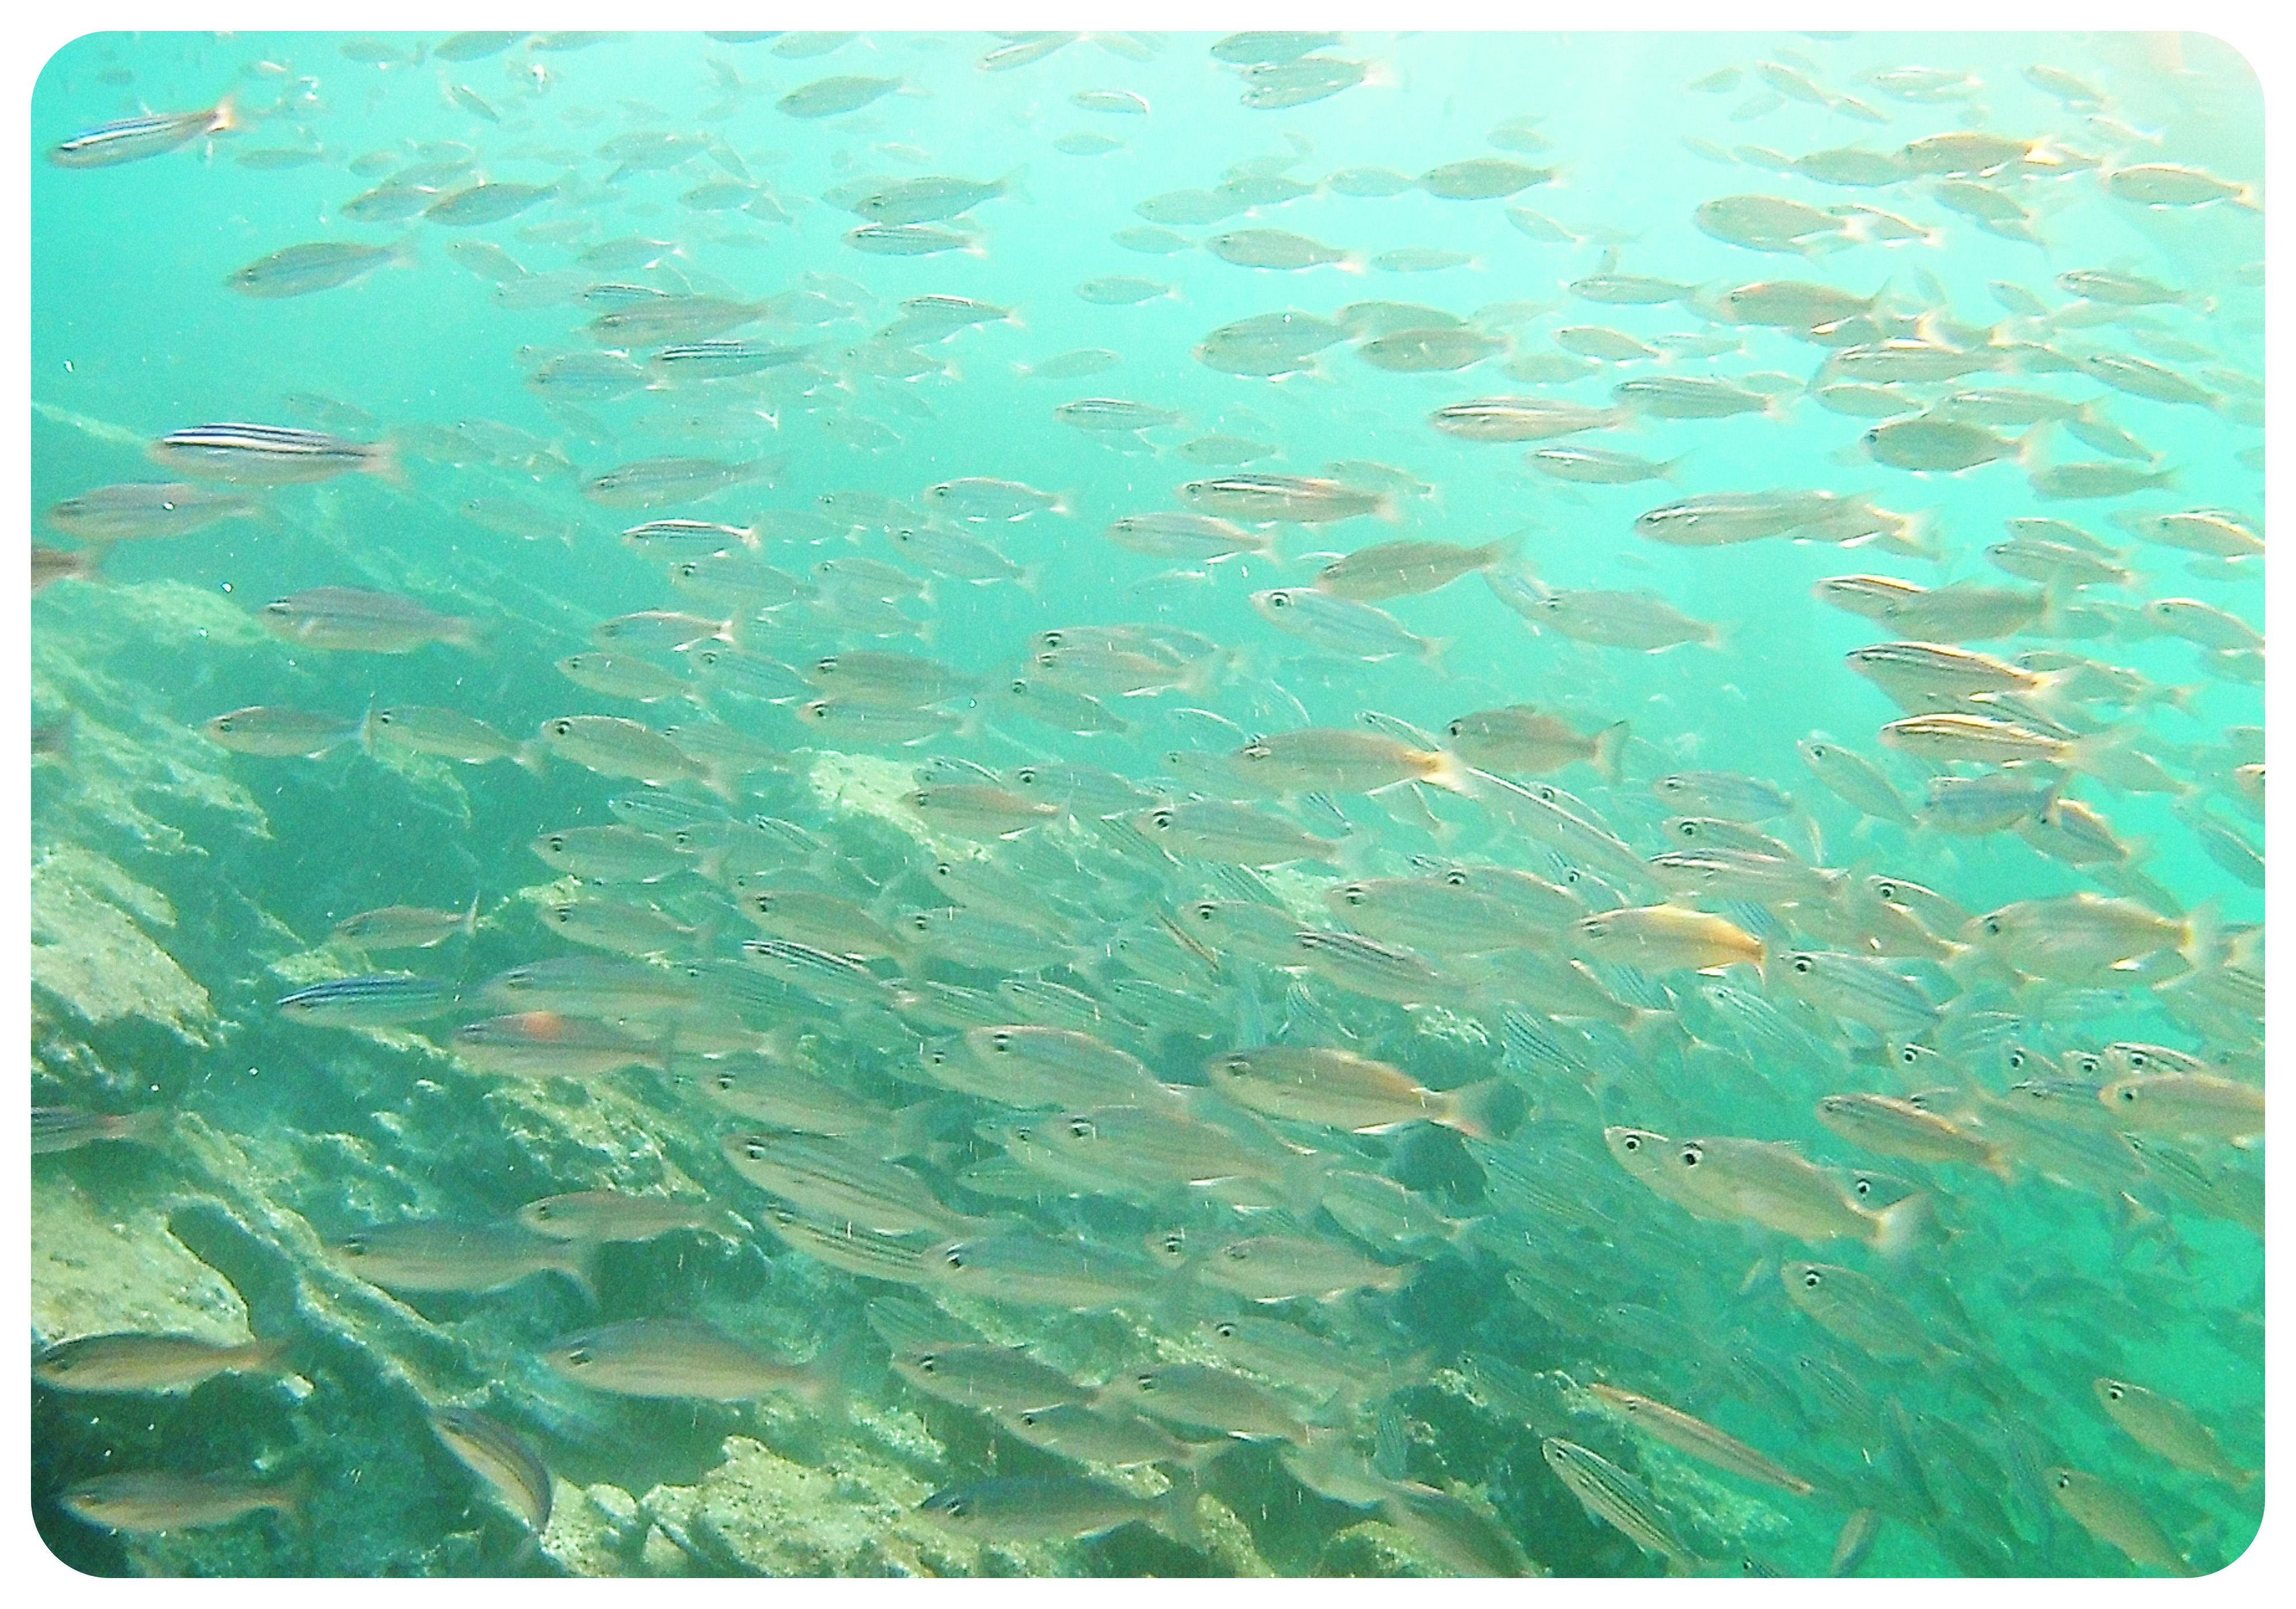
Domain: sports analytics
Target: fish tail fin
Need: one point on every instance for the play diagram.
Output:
(225, 118)
(1609, 751)
(1644, 1028)
(578, 1260)
(364, 731)
(1488, 1109)
(2203, 931)
(1431, 655)
(382, 459)
(1903, 1224)
(1998, 1163)
(1176, 1510)
(1444, 769)
(821, 1383)
(267, 1356)
(470, 923)
(1352, 262)
(1014, 184)
(532, 757)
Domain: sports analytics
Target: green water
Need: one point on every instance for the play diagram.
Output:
(180, 889)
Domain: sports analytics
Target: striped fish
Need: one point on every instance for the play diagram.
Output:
(132, 139)
(270, 455)
(373, 1000)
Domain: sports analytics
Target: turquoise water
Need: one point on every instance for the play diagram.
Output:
(181, 886)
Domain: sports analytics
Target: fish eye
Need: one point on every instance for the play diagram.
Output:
(1236, 1251)
(1888, 890)
(1819, 752)
(1353, 896)
(1690, 1156)
(1811, 1279)
(1224, 1330)
(930, 1364)
(2128, 1094)
(1907, 1056)
(1079, 1129)
(1051, 639)
(2088, 1063)
(561, 726)
(754, 1150)
(826, 664)
(1001, 1040)
(1457, 878)
(1993, 926)
(954, 1257)
(1146, 1382)
(580, 1356)
(1457, 728)
(1279, 599)
(2017, 1060)
(1631, 1143)
(356, 1246)
(923, 922)
(2114, 1391)
(1803, 965)
(727, 1080)
(1863, 1185)
(1162, 819)
(2065, 1481)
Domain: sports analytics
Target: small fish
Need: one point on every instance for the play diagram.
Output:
(1859, 1310)
(1344, 760)
(448, 734)
(500, 1457)
(135, 1361)
(686, 1358)
(2114, 1515)
(610, 1215)
(1695, 1437)
(1667, 938)
(2164, 1425)
(548, 1044)
(279, 733)
(430, 1256)
(162, 1500)
(1764, 1182)
(378, 1000)
(1390, 570)
(2186, 1102)
(1054, 1508)
(1341, 1089)
(270, 455)
(1530, 741)
(68, 1128)
(1618, 1499)
(354, 619)
(1279, 1267)
(989, 1377)
(133, 139)
(317, 265)
(135, 511)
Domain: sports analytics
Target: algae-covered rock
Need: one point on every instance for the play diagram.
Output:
(91, 951)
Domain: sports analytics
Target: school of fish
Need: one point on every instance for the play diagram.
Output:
(1179, 1023)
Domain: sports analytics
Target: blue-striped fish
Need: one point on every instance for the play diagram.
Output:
(372, 1000)
(132, 139)
(270, 455)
